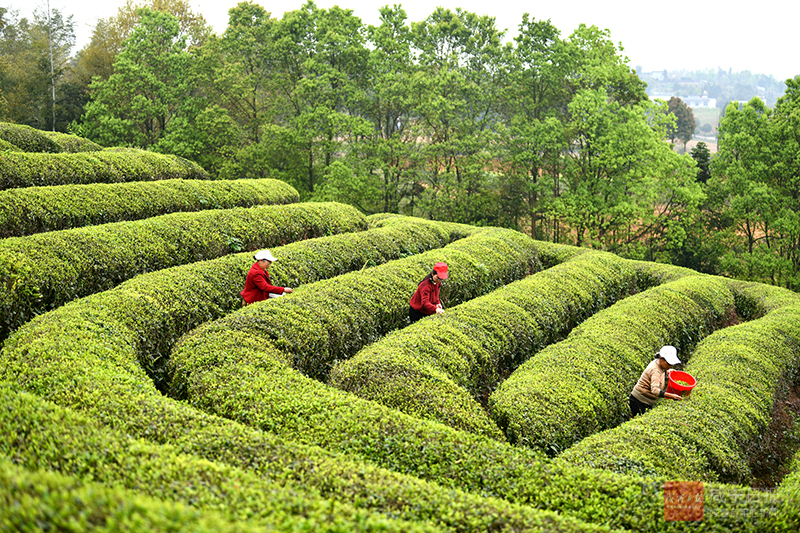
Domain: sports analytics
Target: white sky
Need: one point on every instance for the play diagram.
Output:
(756, 36)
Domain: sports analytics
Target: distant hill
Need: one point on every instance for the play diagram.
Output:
(708, 92)
(717, 86)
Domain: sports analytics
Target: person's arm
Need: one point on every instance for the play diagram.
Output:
(428, 307)
(260, 280)
(658, 387)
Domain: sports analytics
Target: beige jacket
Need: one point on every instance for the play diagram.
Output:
(652, 385)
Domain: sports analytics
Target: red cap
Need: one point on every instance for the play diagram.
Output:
(441, 270)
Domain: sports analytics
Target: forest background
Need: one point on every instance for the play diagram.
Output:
(549, 134)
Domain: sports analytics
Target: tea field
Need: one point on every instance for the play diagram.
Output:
(138, 394)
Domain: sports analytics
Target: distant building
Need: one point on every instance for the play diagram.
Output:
(691, 101)
(700, 101)
(656, 74)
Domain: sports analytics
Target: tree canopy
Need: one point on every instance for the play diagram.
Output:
(441, 118)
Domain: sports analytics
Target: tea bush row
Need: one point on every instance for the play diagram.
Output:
(85, 355)
(40, 436)
(22, 169)
(579, 386)
(789, 486)
(238, 376)
(332, 319)
(31, 210)
(72, 143)
(27, 139)
(440, 368)
(32, 502)
(40, 272)
(706, 436)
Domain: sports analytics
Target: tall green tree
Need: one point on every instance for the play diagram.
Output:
(29, 74)
(624, 186)
(747, 198)
(151, 86)
(322, 60)
(533, 132)
(756, 175)
(684, 126)
(702, 156)
(97, 58)
(458, 90)
(384, 182)
(239, 71)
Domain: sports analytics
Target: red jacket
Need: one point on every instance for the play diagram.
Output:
(426, 297)
(257, 285)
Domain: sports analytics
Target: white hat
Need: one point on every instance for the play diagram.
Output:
(669, 354)
(264, 254)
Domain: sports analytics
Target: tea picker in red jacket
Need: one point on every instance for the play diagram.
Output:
(425, 300)
(257, 286)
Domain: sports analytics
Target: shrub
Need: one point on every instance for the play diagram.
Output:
(19, 169)
(40, 436)
(85, 355)
(331, 320)
(579, 386)
(27, 139)
(442, 369)
(31, 210)
(43, 271)
(72, 143)
(707, 435)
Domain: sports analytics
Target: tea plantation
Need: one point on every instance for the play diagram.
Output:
(137, 394)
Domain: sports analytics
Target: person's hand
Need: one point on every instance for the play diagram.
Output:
(439, 310)
(672, 396)
(287, 290)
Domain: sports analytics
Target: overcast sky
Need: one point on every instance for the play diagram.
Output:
(757, 36)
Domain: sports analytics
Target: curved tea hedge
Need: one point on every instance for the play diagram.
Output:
(440, 370)
(706, 437)
(241, 380)
(332, 319)
(39, 436)
(43, 271)
(579, 386)
(22, 169)
(84, 355)
(72, 143)
(29, 210)
(45, 501)
(27, 139)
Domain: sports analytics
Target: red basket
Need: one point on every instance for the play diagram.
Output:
(677, 388)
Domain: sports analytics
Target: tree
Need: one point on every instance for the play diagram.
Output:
(30, 77)
(533, 135)
(391, 148)
(702, 156)
(96, 59)
(747, 181)
(458, 91)
(599, 64)
(684, 126)
(150, 87)
(624, 186)
(322, 57)
(238, 69)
